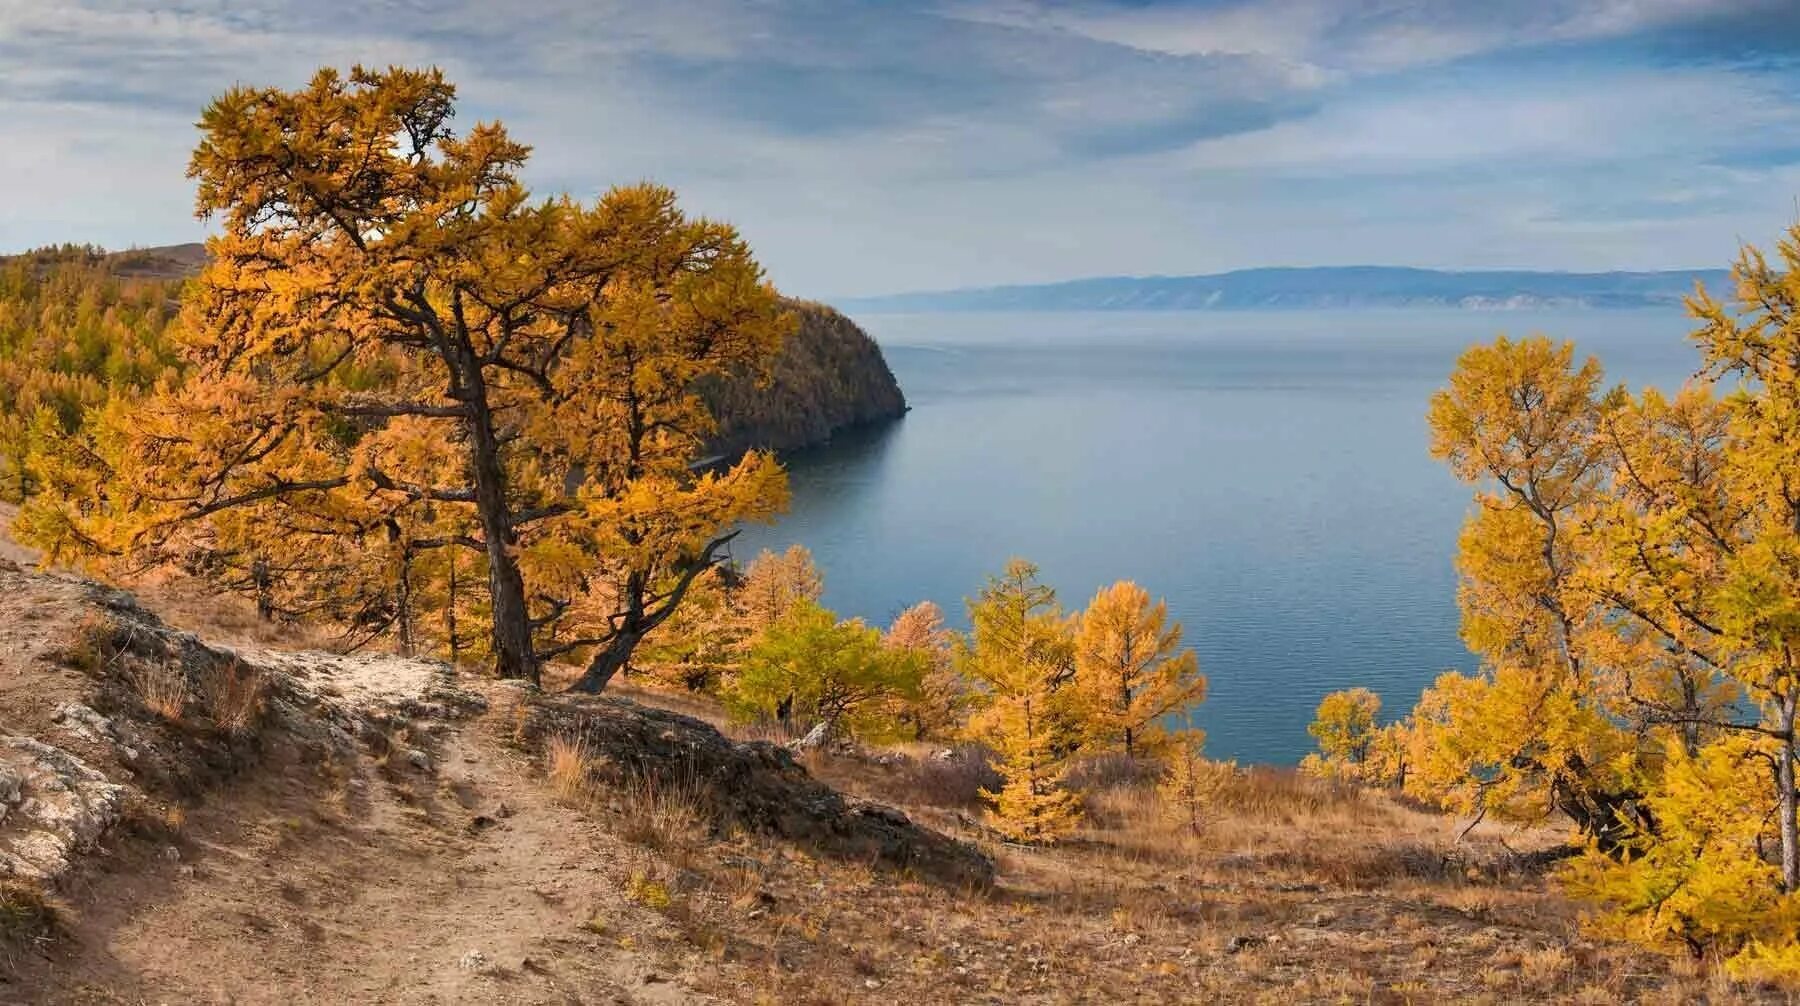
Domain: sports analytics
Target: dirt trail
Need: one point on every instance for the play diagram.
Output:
(458, 882)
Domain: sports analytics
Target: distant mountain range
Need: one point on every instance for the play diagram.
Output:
(1318, 288)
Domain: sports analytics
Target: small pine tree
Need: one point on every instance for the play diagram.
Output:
(1191, 783)
(1021, 649)
(1352, 746)
(944, 696)
(773, 585)
(1033, 805)
(1131, 671)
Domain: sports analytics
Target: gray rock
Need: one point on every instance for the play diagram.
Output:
(757, 786)
(815, 739)
(59, 806)
(86, 723)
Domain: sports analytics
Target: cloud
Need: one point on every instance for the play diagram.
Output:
(1614, 116)
(1317, 41)
(869, 146)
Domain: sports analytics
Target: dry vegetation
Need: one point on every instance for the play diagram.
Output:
(454, 864)
(1294, 890)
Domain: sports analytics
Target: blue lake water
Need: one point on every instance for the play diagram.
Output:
(1266, 472)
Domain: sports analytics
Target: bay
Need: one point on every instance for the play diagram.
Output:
(1265, 472)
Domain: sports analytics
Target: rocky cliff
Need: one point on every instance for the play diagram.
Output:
(830, 376)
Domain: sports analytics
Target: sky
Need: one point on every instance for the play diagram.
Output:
(877, 147)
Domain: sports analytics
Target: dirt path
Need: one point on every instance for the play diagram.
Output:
(462, 882)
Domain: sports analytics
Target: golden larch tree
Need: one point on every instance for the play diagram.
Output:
(1131, 671)
(395, 347)
(1021, 650)
(774, 583)
(943, 698)
(1529, 734)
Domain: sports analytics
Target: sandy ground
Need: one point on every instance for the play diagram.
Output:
(394, 885)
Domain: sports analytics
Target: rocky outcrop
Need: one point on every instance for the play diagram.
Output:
(108, 709)
(756, 786)
(111, 714)
(53, 805)
(829, 377)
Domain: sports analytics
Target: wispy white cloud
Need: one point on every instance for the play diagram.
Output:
(866, 147)
(1316, 41)
(1622, 116)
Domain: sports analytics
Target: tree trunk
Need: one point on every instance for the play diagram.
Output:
(450, 615)
(262, 581)
(404, 599)
(608, 661)
(638, 622)
(513, 653)
(1784, 775)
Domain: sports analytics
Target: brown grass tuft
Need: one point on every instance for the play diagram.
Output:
(567, 763)
(96, 644)
(27, 915)
(955, 780)
(664, 814)
(163, 688)
(234, 696)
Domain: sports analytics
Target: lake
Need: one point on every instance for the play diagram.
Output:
(1265, 472)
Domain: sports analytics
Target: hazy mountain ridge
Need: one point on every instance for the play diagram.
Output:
(1322, 287)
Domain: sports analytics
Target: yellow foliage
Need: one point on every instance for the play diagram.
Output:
(773, 585)
(1021, 649)
(1700, 879)
(1353, 747)
(1631, 578)
(944, 695)
(1130, 670)
(395, 352)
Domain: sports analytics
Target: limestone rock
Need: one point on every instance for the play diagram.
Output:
(57, 806)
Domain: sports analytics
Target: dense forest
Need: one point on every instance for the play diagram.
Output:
(60, 309)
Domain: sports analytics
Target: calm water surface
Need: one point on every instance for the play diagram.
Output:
(1265, 472)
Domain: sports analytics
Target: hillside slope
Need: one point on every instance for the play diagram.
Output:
(380, 830)
(185, 821)
(829, 377)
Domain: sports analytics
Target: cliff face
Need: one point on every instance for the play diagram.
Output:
(829, 377)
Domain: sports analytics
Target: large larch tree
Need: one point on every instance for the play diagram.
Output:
(394, 349)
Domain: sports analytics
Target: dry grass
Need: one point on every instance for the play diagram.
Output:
(28, 916)
(949, 777)
(234, 694)
(666, 815)
(163, 688)
(1293, 890)
(95, 646)
(568, 763)
(220, 616)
